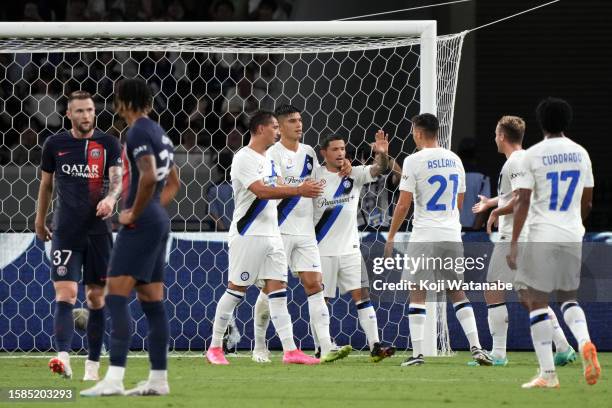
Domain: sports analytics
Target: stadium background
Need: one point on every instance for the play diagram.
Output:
(561, 50)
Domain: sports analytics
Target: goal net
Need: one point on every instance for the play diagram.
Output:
(204, 90)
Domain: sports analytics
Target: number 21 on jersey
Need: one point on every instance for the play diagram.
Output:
(434, 203)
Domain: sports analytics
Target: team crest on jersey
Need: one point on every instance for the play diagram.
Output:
(347, 183)
(95, 153)
(62, 270)
(309, 166)
(244, 276)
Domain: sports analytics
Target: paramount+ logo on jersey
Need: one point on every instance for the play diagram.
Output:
(81, 170)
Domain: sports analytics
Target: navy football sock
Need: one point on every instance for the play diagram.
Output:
(159, 334)
(121, 329)
(95, 333)
(63, 325)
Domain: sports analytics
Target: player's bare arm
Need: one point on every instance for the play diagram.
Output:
(171, 188)
(144, 192)
(380, 147)
(106, 206)
(308, 188)
(498, 212)
(522, 199)
(45, 194)
(586, 202)
(399, 215)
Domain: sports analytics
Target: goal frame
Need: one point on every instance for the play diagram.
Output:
(425, 30)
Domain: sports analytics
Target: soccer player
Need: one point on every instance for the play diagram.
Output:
(295, 162)
(509, 138)
(435, 180)
(139, 254)
(335, 217)
(80, 162)
(554, 184)
(256, 253)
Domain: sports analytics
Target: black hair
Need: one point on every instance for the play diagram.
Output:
(135, 94)
(327, 140)
(284, 110)
(428, 122)
(260, 118)
(554, 115)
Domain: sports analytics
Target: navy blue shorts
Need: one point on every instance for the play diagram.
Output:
(140, 252)
(70, 261)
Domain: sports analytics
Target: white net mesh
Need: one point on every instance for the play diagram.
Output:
(204, 91)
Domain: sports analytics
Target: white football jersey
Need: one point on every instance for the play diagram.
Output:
(556, 170)
(294, 213)
(335, 212)
(504, 191)
(252, 216)
(435, 177)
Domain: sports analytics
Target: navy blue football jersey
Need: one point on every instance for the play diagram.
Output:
(80, 168)
(146, 137)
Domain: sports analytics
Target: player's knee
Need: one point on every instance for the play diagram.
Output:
(95, 298)
(312, 286)
(456, 295)
(66, 293)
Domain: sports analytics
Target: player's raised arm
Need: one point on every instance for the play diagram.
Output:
(171, 188)
(45, 194)
(380, 147)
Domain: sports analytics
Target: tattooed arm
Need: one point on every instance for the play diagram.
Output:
(381, 158)
(106, 206)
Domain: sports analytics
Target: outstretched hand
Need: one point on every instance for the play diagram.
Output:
(381, 142)
(482, 205)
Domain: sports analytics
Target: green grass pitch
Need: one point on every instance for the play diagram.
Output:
(353, 382)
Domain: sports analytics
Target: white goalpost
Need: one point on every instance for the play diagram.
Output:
(348, 77)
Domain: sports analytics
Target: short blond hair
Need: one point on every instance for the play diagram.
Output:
(513, 127)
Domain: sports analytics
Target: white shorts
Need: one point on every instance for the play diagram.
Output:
(498, 265)
(345, 272)
(432, 262)
(302, 253)
(253, 259)
(548, 267)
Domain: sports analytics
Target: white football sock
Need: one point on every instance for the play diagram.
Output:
(115, 373)
(368, 322)
(158, 375)
(542, 335)
(319, 320)
(498, 326)
(261, 320)
(416, 324)
(223, 314)
(561, 344)
(465, 315)
(281, 319)
(576, 320)
(315, 339)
